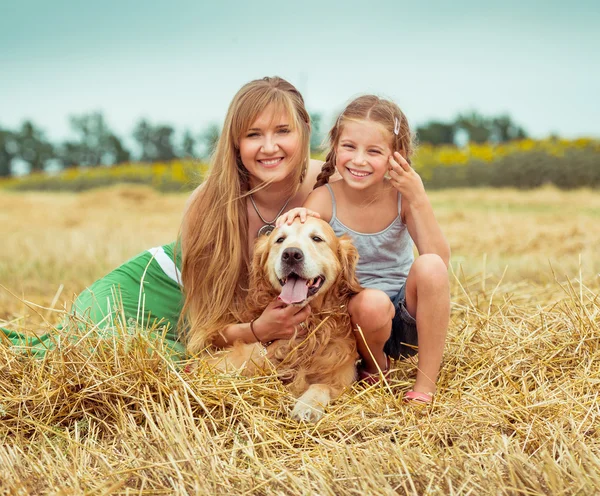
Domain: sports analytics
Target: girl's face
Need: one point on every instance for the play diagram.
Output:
(269, 149)
(362, 153)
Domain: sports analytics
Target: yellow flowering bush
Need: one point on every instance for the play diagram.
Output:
(178, 175)
(429, 157)
(524, 163)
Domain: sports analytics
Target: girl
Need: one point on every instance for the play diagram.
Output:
(260, 167)
(382, 204)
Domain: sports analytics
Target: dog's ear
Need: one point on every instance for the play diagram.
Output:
(261, 253)
(261, 290)
(258, 274)
(348, 257)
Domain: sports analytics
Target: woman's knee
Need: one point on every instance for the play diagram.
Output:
(371, 309)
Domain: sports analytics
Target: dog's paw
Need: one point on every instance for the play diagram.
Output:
(303, 412)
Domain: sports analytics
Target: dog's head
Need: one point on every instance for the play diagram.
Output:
(305, 261)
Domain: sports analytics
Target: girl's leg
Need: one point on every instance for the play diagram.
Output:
(372, 310)
(428, 300)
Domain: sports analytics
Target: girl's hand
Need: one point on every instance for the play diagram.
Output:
(404, 178)
(281, 321)
(288, 217)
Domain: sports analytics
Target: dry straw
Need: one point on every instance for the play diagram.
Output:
(517, 412)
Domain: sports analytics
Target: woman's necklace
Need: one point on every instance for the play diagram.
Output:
(268, 226)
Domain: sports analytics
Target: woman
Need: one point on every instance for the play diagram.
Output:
(261, 167)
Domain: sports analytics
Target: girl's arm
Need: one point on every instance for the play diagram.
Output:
(318, 204)
(424, 229)
(416, 210)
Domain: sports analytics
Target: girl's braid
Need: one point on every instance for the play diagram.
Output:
(327, 170)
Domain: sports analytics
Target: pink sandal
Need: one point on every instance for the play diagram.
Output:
(372, 378)
(417, 397)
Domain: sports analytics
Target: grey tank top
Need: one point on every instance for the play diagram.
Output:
(385, 257)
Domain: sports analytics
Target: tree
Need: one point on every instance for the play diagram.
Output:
(143, 135)
(504, 129)
(155, 141)
(476, 126)
(495, 129)
(162, 137)
(188, 145)
(210, 138)
(436, 133)
(96, 144)
(115, 149)
(31, 146)
(8, 149)
(316, 134)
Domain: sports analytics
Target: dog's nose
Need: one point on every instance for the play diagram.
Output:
(292, 255)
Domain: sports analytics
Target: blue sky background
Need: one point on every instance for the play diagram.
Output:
(180, 62)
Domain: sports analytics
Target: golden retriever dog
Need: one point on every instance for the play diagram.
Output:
(302, 264)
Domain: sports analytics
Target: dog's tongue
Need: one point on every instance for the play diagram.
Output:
(295, 290)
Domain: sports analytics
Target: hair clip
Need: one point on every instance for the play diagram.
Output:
(396, 126)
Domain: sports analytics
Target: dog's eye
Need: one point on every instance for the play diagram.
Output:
(280, 240)
(316, 239)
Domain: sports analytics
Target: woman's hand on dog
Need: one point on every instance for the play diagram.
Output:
(281, 321)
(301, 212)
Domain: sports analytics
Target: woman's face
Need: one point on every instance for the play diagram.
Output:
(269, 149)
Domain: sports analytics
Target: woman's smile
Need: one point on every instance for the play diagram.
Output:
(270, 162)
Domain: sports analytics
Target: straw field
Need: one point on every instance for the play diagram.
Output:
(517, 409)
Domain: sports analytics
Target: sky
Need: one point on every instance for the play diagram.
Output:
(181, 62)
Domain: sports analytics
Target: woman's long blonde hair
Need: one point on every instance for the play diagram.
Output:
(214, 232)
(369, 108)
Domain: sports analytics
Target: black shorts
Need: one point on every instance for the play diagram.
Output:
(403, 340)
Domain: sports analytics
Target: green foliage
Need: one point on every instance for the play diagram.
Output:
(188, 145)
(317, 135)
(436, 133)
(209, 138)
(575, 168)
(6, 151)
(476, 127)
(175, 176)
(520, 164)
(96, 145)
(156, 142)
(32, 146)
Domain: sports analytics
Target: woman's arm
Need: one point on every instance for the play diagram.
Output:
(278, 321)
(233, 333)
(192, 197)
